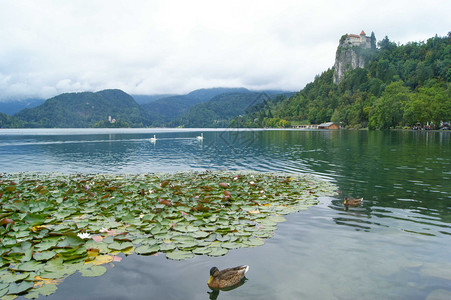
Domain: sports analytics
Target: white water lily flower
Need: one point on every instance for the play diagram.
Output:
(84, 235)
(251, 183)
(103, 229)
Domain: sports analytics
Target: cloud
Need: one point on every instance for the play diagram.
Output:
(50, 47)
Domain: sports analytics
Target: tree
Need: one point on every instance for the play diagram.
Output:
(429, 104)
(373, 40)
(388, 109)
(386, 44)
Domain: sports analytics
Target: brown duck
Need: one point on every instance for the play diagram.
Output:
(227, 277)
(352, 202)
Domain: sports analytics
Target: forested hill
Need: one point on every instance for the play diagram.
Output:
(220, 109)
(166, 110)
(85, 109)
(402, 85)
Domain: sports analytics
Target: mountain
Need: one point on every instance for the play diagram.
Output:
(84, 109)
(12, 107)
(398, 86)
(221, 109)
(165, 110)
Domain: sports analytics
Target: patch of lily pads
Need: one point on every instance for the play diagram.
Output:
(54, 225)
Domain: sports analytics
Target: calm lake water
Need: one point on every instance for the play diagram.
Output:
(397, 245)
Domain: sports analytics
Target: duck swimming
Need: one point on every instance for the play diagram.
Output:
(352, 202)
(227, 277)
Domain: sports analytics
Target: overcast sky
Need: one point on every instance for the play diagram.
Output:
(48, 47)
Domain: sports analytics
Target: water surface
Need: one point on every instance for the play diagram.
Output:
(395, 246)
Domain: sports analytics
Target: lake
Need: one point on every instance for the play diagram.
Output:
(396, 245)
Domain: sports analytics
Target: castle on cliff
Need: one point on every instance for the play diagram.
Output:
(361, 40)
(349, 56)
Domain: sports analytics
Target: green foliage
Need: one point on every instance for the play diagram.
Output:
(400, 86)
(220, 110)
(388, 109)
(84, 110)
(168, 109)
(10, 122)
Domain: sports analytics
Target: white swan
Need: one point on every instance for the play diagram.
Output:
(200, 137)
(154, 139)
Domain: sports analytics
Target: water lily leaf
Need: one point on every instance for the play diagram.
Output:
(102, 259)
(44, 255)
(179, 255)
(187, 244)
(45, 290)
(108, 239)
(28, 266)
(167, 247)
(8, 277)
(202, 250)
(93, 271)
(230, 245)
(120, 246)
(9, 241)
(199, 234)
(34, 219)
(146, 249)
(4, 290)
(70, 241)
(17, 288)
(218, 252)
(39, 281)
(254, 242)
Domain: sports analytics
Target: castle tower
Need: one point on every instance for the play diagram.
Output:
(363, 39)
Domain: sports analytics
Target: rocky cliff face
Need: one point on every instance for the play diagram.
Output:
(345, 60)
(353, 52)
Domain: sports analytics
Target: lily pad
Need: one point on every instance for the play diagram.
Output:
(45, 290)
(17, 288)
(120, 246)
(254, 242)
(146, 249)
(34, 219)
(93, 271)
(44, 255)
(218, 252)
(179, 255)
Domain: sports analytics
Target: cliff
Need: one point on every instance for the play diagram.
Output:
(353, 52)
